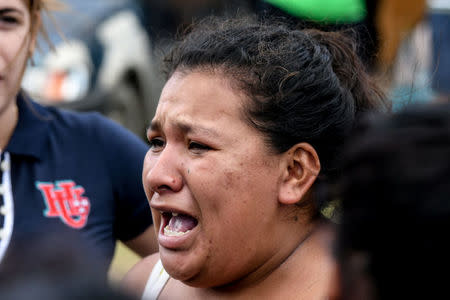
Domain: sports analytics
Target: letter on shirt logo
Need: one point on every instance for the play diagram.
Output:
(65, 201)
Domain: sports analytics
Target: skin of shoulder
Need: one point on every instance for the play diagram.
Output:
(136, 278)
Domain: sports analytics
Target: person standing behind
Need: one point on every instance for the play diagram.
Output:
(378, 26)
(352, 17)
(395, 210)
(63, 170)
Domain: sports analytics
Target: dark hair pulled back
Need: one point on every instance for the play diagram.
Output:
(303, 85)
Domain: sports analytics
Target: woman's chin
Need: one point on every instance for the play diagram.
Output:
(182, 265)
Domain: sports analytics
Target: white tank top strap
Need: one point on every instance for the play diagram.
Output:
(156, 282)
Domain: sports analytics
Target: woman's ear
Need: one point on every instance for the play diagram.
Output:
(302, 166)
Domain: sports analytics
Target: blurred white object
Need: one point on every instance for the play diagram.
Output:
(63, 76)
(439, 4)
(412, 69)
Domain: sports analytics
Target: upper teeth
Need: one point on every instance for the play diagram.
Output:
(174, 214)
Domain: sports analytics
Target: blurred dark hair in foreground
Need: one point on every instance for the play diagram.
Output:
(54, 267)
(395, 193)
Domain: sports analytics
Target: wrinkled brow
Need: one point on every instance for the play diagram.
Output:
(185, 127)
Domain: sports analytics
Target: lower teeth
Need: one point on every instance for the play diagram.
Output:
(169, 232)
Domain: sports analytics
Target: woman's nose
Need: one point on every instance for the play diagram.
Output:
(164, 175)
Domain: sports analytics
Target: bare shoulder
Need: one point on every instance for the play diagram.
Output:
(136, 278)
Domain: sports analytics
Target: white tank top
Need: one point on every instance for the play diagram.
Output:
(156, 282)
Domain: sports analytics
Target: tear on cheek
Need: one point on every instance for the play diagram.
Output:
(178, 224)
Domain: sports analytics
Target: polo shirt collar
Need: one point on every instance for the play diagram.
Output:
(31, 133)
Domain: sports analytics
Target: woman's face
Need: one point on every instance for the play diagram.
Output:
(16, 43)
(211, 182)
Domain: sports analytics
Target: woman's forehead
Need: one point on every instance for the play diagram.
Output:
(27, 3)
(199, 96)
(17, 4)
(199, 88)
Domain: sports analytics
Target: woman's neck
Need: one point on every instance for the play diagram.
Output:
(305, 270)
(9, 117)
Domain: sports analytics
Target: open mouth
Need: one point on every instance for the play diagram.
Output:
(176, 224)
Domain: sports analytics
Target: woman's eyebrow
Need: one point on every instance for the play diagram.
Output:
(187, 127)
(7, 10)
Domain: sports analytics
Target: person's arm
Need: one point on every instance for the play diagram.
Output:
(145, 243)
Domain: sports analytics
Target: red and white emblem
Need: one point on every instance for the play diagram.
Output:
(65, 200)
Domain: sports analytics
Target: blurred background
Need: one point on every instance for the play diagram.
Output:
(107, 53)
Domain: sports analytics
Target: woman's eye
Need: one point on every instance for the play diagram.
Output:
(9, 20)
(198, 147)
(156, 143)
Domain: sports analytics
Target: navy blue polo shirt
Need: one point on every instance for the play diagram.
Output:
(79, 172)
